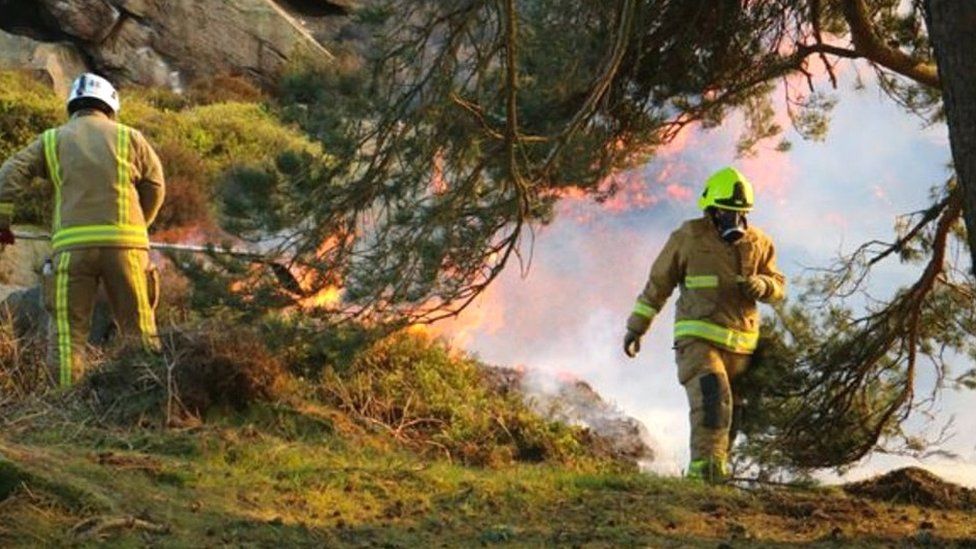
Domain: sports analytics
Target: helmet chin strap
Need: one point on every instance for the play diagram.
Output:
(731, 225)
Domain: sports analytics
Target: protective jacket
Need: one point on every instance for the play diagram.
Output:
(712, 305)
(96, 203)
(108, 187)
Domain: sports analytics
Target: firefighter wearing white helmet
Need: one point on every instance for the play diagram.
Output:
(723, 266)
(90, 91)
(108, 186)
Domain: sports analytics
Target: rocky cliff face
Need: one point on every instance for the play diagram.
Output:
(56, 63)
(165, 42)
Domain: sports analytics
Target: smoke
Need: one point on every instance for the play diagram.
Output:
(567, 316)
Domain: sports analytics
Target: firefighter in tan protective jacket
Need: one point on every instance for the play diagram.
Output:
(108, 187)
(723, 267)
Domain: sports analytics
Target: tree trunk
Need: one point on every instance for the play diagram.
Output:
(952, 30)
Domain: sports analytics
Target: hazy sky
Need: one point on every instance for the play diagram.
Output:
(568, 314)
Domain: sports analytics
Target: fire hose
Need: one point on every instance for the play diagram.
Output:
(280, 270)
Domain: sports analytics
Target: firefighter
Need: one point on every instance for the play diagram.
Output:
(108, 187)
(723, 266)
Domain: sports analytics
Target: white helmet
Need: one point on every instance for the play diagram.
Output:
(92, 86)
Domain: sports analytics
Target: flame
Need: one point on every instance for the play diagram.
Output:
(420, 329)
(438, 183)
(485, 315)
(515, 312)
(327, 298)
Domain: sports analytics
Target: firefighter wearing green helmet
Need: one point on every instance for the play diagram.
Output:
(724, 266)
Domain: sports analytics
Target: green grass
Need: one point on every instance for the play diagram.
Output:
(309, 463)
(278, 475)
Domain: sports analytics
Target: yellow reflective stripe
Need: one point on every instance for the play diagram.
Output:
(645, 310)
(82, 230)
(734, 340)
(50, 139)
(138, 276)
(122, 177)
(61, 317)
(701, 281)
(126, 235)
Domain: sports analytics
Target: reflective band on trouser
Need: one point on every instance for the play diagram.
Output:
(701, 281)
(50, 138)
(734, 340)
(131, 236)
(137, 274)
(645, 310)
(61, 319)
(122, 177)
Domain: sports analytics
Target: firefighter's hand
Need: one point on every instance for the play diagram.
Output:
(754, 287)
(6, 237)
(631, 344)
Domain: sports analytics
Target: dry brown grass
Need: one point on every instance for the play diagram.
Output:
(200, 370)
(22, 369)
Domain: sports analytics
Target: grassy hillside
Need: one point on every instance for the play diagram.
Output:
(308, 476)
(283, 432)
(225, 444)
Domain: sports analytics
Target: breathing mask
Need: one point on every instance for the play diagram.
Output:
(731, 225)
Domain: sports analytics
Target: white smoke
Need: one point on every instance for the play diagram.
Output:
(568, 314)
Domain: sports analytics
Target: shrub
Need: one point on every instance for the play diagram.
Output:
(224, 88)
(188, 190)
(27, 108)
(212, 367)
(414, 388)
(198, 143)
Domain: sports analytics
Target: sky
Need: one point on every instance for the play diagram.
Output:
(567, 316)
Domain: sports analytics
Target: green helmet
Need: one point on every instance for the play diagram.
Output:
(727, 189)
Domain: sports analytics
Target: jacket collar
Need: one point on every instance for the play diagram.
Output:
(89, 112)
(705, 225)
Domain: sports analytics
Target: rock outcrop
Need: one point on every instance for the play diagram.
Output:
(20, 279)
(20, 264)
(20, 292)
(164, 42)
(88, 20)
(574, 402)
(56, 63)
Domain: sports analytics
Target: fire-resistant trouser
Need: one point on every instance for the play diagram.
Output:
(69, 295)
(707, 372)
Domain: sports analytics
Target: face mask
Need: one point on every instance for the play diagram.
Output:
(731, 225)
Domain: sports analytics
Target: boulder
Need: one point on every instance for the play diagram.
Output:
(157, 40)
(89, 20)
(251, 36)
(138, 8)
(128, 55)
(21, 264)
(25, 309)
(575, 402)
(153, 42)
(54, 62)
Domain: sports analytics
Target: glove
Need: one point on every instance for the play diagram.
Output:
(632, 344)
(7, 237)
(754, 287)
